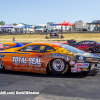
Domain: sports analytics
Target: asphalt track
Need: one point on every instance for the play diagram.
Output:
(67, 87)
(50, 87)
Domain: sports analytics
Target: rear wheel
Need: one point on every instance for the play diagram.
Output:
(95, 50)
(58, 67)
(1, 65)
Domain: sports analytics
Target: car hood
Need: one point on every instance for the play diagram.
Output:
(88, 57)
(91, 55)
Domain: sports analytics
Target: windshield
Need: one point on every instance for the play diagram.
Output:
(72, 49)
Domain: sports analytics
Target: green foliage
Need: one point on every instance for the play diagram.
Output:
(2, 23)
(21, 23)
(73, 26)
(14, 24)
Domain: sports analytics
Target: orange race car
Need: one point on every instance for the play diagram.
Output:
(42, 57)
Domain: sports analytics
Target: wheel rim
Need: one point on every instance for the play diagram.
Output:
(96, 49)
(1, 65)
(58, 64)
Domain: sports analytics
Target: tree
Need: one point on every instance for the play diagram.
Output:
(73, 25)
(21, 23)
(2, 23)
(14, 24)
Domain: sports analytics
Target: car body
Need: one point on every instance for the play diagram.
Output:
(42, 57)
(86, 45)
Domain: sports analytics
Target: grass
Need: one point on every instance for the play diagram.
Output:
(41, 38)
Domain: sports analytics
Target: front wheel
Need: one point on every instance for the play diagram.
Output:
(1, 65)
(58, 67)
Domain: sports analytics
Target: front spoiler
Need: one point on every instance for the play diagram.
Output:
(91, 71)
(94, 71)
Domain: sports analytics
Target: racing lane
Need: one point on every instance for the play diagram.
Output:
(67, 87)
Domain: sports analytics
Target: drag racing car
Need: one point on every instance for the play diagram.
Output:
(86, 45)
(42, 57)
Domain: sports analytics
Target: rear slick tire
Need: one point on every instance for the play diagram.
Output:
(96, 50)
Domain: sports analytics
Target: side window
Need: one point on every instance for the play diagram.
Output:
(93, 42)
(33, 48)
(86, 42)
(49, 49)
(37, 48)
(83, 42)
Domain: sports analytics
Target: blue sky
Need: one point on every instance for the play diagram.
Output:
(42, 11)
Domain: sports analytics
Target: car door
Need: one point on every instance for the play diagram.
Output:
(29, 59)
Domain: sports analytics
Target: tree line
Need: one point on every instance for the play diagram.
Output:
(3, 23)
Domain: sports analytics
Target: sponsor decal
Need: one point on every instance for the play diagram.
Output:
(72, 62)
(92, 59)
(95, 59)
(36, 62)
(2, 56)
(81, 65)
(85, 69)
(74, 70)
(9, 67)
(19, 60)
(79, 70)
(58, 55)
(68, 58)
(80, 58)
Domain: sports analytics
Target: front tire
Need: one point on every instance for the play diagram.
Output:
(1, 65)
(58, 67)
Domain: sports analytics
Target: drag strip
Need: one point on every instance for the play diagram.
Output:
(70, 86)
